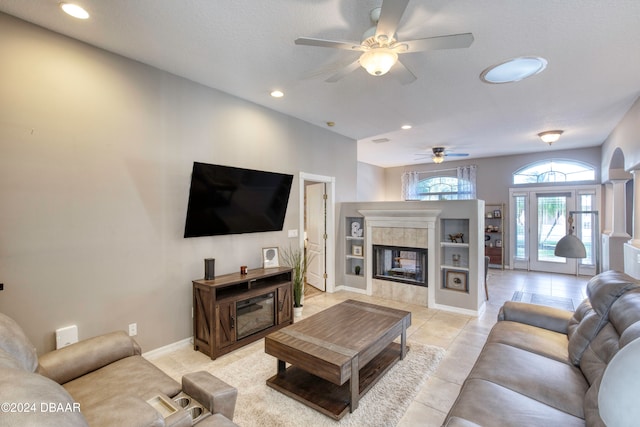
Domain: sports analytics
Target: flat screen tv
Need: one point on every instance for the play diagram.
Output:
(229, 200)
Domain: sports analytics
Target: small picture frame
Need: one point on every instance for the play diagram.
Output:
(270, 257)
(356, 250)
(497, 213)
(456, 280)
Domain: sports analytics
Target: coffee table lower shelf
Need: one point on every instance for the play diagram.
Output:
(331, 399)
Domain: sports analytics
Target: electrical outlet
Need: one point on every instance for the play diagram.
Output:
(133, 329)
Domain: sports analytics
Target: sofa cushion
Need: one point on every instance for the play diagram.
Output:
(605, 288)
(531, 338)
(123, 410)
(583, 327)
(15, 342)
(43, 402)
(488, 404)
(8, 361)
(133, 375)
(557, 384)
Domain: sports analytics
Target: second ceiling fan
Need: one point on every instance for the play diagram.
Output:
(380, 48)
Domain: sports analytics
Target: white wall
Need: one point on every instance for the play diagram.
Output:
(95, 168)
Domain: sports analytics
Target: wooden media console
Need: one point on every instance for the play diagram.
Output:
(236, 309)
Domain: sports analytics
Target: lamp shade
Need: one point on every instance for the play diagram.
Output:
(378, 61)
(570, 247)
(620, 386)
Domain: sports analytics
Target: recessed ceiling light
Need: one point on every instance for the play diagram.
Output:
(513, 70)
(277, 94)
(405, 127)
(74, 10)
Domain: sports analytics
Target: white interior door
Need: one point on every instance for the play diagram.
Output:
(316, 233)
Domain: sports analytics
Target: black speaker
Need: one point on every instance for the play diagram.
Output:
(209, 268)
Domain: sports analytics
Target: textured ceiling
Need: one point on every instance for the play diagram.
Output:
(245, 48)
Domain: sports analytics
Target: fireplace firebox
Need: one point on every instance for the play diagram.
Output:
(400, 264)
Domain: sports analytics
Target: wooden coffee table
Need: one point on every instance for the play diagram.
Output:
(337, 355)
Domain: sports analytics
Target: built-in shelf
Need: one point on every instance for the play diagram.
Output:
(454, 245)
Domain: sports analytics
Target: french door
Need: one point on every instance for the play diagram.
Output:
(539, 220)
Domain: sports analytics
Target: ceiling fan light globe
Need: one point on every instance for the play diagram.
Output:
(378, 61)
(438, 159)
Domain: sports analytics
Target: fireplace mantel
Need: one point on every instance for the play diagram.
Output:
(410, 218)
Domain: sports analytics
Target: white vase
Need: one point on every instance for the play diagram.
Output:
(297, 311)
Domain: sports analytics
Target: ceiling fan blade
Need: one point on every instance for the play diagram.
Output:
(390, 15)
(402, 73)
(455, 41)
(342, 73)
(456, 154)
(328, 43)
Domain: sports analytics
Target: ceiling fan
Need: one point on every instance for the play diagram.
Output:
(439, 153)
(381, 48)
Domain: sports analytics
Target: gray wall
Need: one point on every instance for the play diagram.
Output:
(95, 168)
(370, 183)
(625, 137)
(494, 175)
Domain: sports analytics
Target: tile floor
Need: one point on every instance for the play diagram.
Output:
(462, 337)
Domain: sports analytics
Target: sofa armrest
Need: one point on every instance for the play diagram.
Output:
(76, 360)
(216, 395)
(551, 318)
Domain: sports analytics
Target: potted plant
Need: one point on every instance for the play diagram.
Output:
(296, 259)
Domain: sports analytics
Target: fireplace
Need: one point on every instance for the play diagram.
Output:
(400, 264)
(255, 314)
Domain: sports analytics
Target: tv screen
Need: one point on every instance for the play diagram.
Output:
(229, 200)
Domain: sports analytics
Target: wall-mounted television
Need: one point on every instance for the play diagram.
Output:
(230, 200)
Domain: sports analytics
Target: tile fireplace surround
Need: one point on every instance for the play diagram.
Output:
(405, 237)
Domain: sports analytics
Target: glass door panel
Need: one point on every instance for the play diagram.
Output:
(549, 220)
(551, 226)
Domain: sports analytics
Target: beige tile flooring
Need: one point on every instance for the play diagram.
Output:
(462, 337)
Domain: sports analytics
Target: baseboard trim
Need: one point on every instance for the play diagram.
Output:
(161, 351)
(350, 289)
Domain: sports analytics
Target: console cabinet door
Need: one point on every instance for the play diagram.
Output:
(225, 324)
(285, 304)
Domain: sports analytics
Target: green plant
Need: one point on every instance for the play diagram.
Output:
(297, 259)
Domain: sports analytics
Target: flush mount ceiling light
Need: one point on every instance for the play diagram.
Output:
(74, 10)
(550, 136)
(513, 70)
(405, 127)
(277, 94)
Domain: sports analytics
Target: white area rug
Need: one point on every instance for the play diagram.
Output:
(384, 405)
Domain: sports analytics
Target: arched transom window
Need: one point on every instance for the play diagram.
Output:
(555, 170)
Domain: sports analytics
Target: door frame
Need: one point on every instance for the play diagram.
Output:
(576, 190)
(330, 183)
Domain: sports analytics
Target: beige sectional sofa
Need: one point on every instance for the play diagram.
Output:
(543, 366)
(102, 381)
